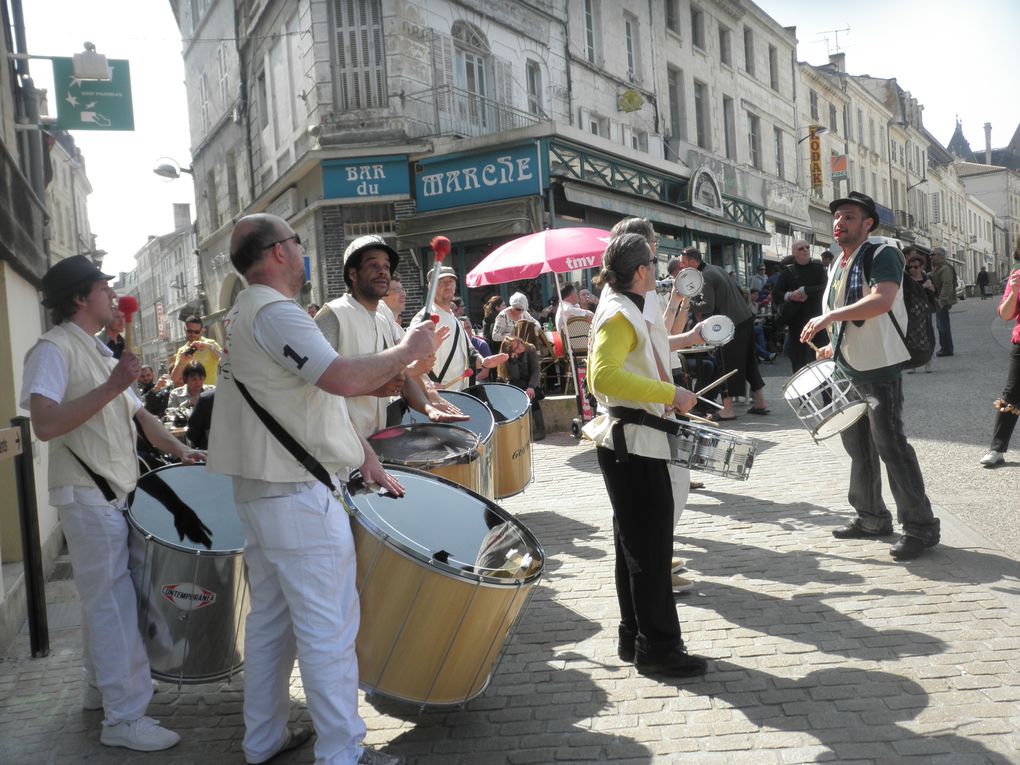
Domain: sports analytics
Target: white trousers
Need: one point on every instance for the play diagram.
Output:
(113, 654)
(301, 571)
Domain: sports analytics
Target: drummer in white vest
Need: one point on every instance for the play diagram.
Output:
(457, 361)
(359, 323)
(299, 548)
(636, 397)
(81, 402)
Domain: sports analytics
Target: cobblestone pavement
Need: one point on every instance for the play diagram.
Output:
(823, 651)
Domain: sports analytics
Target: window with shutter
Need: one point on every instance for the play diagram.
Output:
(360, 54)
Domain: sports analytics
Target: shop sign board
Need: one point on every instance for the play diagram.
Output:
(470, 179)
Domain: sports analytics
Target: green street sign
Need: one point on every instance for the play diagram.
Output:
(93, 104)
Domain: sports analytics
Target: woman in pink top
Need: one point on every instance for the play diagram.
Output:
(1008, 405)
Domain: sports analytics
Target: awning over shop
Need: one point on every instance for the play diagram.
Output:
(656, 211)
(494, 220)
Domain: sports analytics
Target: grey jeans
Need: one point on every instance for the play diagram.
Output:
(880, 435)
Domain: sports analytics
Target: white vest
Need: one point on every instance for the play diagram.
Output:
(641, 440)
(361, 334)
(239, 443)
(105, 441)
(875, 344)
(460, 360)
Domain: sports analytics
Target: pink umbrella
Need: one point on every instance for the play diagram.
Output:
(554, 251)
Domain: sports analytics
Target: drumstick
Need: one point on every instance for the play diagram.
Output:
(716, 404)
(441, 247)
(128, 305)
(445, 385)
(695, 418)
(714, 383)
(812, 346)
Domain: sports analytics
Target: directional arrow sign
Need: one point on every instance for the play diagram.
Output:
(93, 104)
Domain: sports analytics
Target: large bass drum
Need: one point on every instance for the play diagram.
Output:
(443, 577)
(480, 422)
(192, 601)
(511, 409)
(447, 451)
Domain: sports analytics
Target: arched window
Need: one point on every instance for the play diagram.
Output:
(473, 72)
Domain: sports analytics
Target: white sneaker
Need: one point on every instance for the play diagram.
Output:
(993, 458)
(681, 584)
(142, 735)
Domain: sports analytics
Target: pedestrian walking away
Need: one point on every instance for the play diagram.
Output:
(859, 304)
(943, 277)
(1007, 406)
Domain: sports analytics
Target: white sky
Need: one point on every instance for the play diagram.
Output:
(128, 202)
(957, 59)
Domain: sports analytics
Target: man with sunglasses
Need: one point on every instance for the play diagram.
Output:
(197, 347)
(281, 379)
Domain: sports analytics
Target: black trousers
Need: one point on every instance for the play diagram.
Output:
(800, 353)
(642, 498)
(739, 354)
(1006, 421)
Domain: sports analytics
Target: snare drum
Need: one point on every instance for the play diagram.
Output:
(689, 282)
(511, 409)
(191, 601)
(717, 330)
(443, 577)
(443, 450)
(699, 447)
(481, 423)
(824, 399)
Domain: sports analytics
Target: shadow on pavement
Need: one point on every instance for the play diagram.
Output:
(530, 667)
(807, 619)
(846, 710)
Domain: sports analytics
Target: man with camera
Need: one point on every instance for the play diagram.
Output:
(197, 347)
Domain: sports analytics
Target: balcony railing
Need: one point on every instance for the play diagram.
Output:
(22, 218)
(447, 110)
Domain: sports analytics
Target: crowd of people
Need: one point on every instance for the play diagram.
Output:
(325, 377)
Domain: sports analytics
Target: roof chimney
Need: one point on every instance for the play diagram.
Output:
(988, 143)
(182, 215)
(838, 61)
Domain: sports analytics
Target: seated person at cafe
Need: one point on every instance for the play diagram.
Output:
(183, 399)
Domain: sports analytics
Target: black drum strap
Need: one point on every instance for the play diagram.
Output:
(102, 483)
(625, 415)
(296, 450)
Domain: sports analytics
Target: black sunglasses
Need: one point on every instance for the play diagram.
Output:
(296, 238)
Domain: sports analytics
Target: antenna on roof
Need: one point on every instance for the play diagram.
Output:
(835, 33)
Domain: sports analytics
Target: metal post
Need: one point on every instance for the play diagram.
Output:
(31, 549)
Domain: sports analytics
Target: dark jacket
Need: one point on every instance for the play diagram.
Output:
(722, 296)
(812, 277)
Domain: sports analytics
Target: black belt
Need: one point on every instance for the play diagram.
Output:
(625, 415)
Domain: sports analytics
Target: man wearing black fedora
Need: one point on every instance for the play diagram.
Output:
(82, 402)
(862, 294)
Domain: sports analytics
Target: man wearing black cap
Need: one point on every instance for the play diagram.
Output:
(82, 402)
(862, 296)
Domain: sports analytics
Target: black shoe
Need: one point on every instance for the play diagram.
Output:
(853, 530)
(673, 663)
(625, 648)
(943, 353)
(908, 548)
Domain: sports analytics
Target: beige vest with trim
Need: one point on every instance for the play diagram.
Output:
(641, 440)
(875, 344)
(105, 441)
(239, 443)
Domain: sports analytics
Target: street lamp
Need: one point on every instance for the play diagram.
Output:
(168, 168)
(814, 130)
